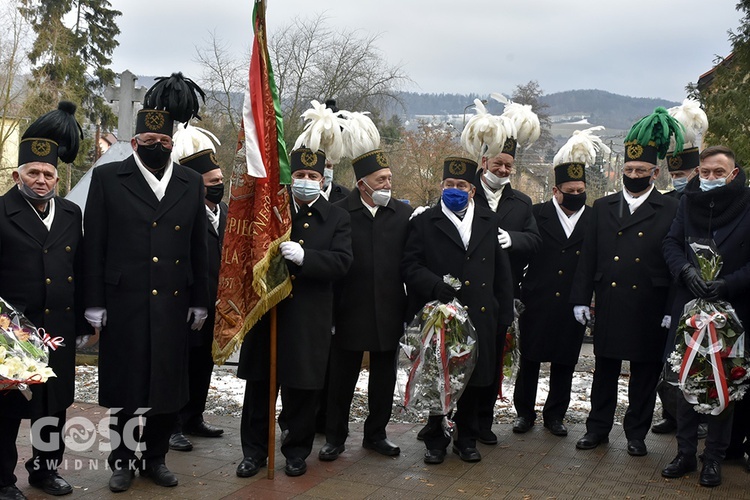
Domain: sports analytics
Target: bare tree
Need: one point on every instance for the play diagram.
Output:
(14, 44)
(311, 60)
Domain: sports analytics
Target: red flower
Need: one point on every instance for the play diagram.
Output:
(713, 393)
(737, 373)
(724, 353)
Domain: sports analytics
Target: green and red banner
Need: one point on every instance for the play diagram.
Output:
(254, 276)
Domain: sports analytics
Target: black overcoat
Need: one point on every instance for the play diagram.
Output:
(146, 263)
(434, 249)
(370, 302)
(516, 217)
(338, 193)
(549, 332)
(733, 243)
(622, 263)
(305, 317)
(214, 240)
(39, 275)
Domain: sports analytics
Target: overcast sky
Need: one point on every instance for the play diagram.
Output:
(640, 48)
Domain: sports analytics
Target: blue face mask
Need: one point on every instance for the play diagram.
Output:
(305, 189)
(679, 183)
(708, 185)
(454, 199)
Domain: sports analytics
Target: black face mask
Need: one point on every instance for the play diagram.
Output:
(573, 202)
(155, 156)
(215, 193)
(636, 185)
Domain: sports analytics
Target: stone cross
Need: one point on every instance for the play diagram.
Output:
(126, 94)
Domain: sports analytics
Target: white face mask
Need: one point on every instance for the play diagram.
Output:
(305, 189)
(708, 185)
(380, 197)
(494, 181)
(327, 177)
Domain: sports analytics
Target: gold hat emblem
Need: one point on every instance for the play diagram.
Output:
(40, 148)
(309, 159)
(675, 162)
(510, 145)
(213, 159)
(575, 172)
(381, 159)
(154, 120)
(635, 151)
(457, 167)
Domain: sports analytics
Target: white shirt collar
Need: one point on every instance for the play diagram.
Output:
(158, 186)
(632, 201)
(493, 197)
(373, 210)
(568, 223)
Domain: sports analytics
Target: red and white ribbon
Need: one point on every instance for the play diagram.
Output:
(51, 342)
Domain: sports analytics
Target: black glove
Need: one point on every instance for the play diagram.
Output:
(444, 292)
(693, 281)
(717, 290)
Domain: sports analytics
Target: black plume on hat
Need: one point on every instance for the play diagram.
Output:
(60, 126)
(177, 95)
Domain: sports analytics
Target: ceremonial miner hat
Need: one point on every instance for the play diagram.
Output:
(694, 125)
(455, 167)
(486, 135)
(202, 161)
(526, 123)
(322, 132)
(171, 99)
(649, 138)
(53, 135)
(307, 159)
(194, 147)
(370, 162)
(362, 143)
(577, 153)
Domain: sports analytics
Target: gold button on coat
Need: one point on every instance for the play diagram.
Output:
(305, 225)
(153, 224)
(483, 309)
(614, 284)
(70, 279)
(176, 293)
(301, 242)
(46, 311)
(177, 228)
(637, 259)
(48, 281)
(467, 283)
(155, 259)
(154, 292)
(557, 294)
(640, 235)
(635, 287)
(617, 259)
(68, 249)
(560, 272)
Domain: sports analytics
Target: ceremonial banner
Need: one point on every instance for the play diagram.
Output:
(254, 276)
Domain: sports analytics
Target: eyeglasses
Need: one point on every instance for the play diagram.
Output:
(640, 172)
(166, 142)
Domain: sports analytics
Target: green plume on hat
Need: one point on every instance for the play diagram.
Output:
(655, 130)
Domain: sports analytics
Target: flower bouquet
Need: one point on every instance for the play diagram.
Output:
(511, 353)
(709, 356)
(24, 351)
(438, 355)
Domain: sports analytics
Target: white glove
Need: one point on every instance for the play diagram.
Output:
(96, 316)
(418, 211)
(199, 315)
(291, 250)
(666, 321)
(82, 341)
(582, 314)
(503, 238)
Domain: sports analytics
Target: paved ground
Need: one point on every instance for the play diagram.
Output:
(536, 465)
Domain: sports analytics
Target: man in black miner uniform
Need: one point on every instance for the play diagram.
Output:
(369, 307)
(550, 333)
(621, 262)
(715, 206)
(201, 364)
(520, 236)
(460, 238)
(146, 279)
(40, 265)
(318, 253)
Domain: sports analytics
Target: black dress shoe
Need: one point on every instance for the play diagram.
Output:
(681, 465)
(637, 448)
(747, 465)
(330, 452)
(51, 484)
(522, 425)
(434, 456)
(710, 473)
(382, 446)
(589, 441)
(664, 426)
(202, 429)
(249, 467)
(120, 480)
(159, 474)
(423, 432)
(702, 430)
(11, 493)
(486, 436)
(556, 427)
(467, 454)
(295, 466)
(179, 442)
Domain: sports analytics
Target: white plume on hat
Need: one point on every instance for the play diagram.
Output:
(582, 147)
(188, 140)
(693, 120)
(360, 135)
(526, 121)
(485, 134)
(322, 132)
